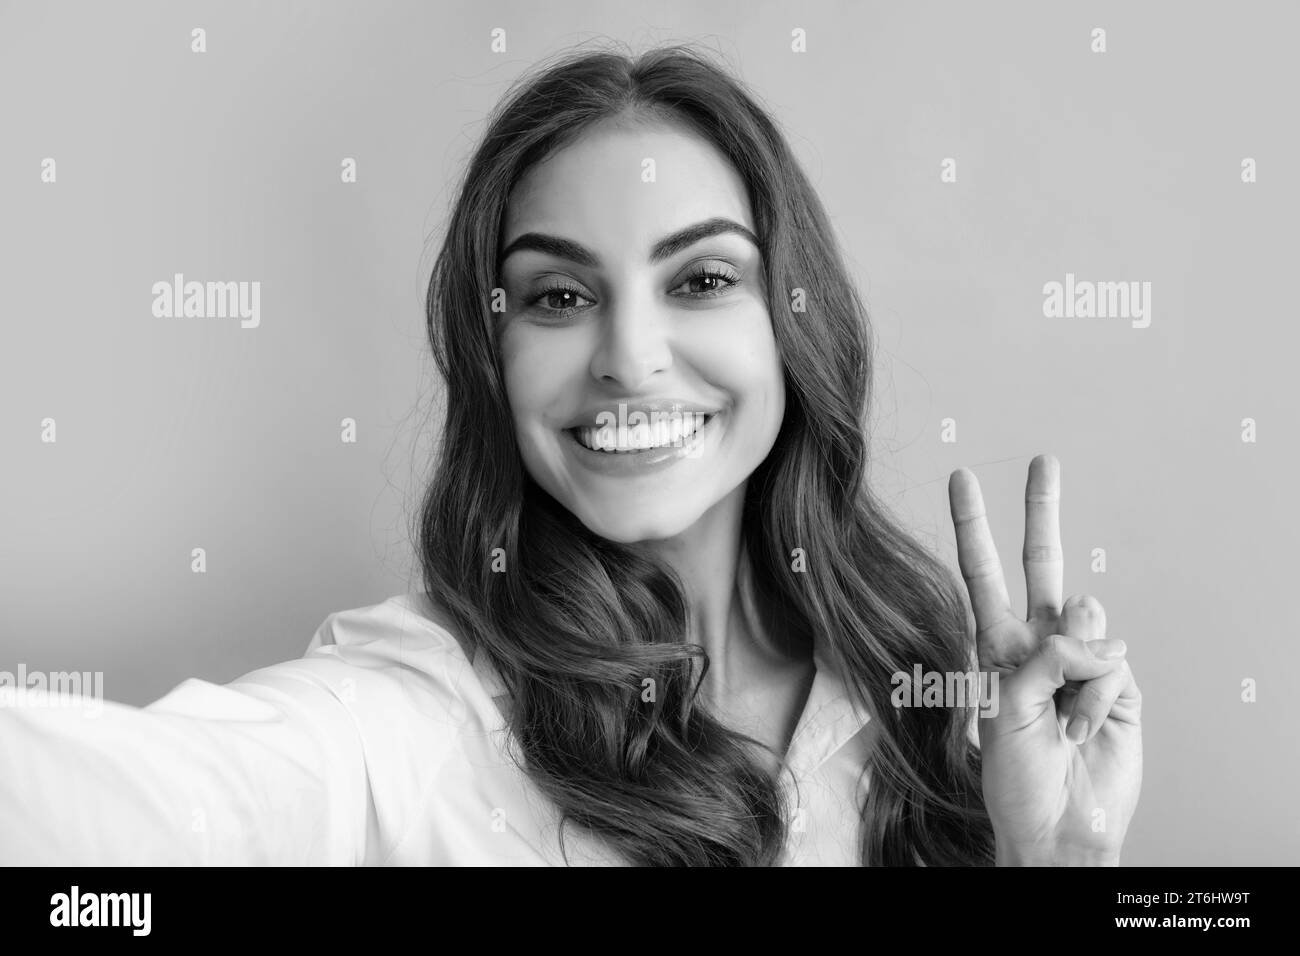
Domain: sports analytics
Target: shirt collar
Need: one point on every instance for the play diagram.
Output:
(830, 719)
(831, 716)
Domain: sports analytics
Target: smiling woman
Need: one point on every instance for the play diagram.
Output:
(649, 227)
(698, 650)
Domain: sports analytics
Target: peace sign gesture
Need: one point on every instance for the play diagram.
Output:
(1062, 757)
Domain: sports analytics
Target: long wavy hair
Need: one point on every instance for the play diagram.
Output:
(577, 622)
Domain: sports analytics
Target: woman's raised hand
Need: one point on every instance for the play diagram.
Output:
(1062, 757)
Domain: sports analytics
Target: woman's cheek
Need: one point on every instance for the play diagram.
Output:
(522, 358)
(539, 366)
(738, 351)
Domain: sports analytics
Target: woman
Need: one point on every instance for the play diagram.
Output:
(664, 619)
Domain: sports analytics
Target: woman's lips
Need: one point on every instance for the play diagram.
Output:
(640, 460)
(636, 440)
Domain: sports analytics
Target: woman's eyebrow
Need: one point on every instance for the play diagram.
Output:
(667, 246)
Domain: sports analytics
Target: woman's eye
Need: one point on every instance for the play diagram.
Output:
(705, 282)
(557, 300)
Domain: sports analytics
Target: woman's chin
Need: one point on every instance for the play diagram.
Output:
(626, 528)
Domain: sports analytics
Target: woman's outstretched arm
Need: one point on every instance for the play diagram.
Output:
(313, 761)
(268, 771)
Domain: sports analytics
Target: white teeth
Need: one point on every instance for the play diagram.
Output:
(641, 437)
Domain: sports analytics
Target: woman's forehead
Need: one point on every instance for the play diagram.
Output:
(621, 185)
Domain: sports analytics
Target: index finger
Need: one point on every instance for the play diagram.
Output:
(976, 554)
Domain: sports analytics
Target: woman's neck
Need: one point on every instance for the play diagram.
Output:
(711, 560)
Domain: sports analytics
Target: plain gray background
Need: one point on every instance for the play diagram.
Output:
(1123, 166)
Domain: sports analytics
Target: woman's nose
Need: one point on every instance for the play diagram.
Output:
(634, 345)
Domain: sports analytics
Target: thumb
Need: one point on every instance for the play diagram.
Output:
(1059, 659)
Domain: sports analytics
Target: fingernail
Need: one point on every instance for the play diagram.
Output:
(1108, 650)
(1077, 732)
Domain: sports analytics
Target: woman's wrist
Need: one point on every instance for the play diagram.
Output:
(1006, 854)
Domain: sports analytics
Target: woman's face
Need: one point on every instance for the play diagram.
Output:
(641, 333)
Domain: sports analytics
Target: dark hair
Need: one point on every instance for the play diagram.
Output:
(578, 621)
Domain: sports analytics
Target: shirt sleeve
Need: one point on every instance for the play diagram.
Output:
(268, 769)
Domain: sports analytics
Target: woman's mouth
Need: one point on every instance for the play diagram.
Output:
(644, 449)
(641, 438)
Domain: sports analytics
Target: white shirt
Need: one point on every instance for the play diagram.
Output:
(382, 745)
